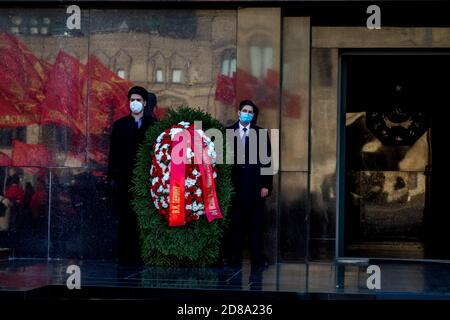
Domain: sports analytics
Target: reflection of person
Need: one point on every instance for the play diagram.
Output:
(15, 194)
(251, 187)
(238, 280)
(127, 133)
(38, 202)
(5, 206)
(14, 191)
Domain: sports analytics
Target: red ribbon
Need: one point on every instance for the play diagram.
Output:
(210, 200)
(178, 176)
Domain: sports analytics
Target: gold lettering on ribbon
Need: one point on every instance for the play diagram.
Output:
(175, 205)
(211, 200)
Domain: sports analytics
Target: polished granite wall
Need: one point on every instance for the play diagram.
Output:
(294, 174)
(40, 279)
(60, 91)
(209, 59)
(59, 150)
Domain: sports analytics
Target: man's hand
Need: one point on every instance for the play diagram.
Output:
(264, 192)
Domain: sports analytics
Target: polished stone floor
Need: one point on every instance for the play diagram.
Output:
(43, 279)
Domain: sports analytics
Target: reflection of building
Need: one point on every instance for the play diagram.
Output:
(180, 64)
(180, 69)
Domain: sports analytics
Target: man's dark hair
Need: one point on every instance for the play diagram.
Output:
(151, 103)
(252, 104)
(247, 103)
(140, 91)
(14, 179)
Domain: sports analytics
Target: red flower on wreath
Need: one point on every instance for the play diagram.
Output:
(160, 173)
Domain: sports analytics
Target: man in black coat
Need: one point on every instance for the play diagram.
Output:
(127, 134)
(252, 181)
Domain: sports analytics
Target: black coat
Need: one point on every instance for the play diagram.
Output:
(247, 178)
(124, 144)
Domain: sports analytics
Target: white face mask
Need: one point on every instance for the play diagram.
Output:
(136, 106)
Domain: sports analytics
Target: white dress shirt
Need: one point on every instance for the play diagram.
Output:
(241, 131)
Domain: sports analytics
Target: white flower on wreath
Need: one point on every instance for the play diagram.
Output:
(163, 192)
(184, 124)
(190, 182)
(189, 153)
(212, 154)
(175, 131)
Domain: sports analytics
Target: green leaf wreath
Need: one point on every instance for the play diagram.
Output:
(197, 243)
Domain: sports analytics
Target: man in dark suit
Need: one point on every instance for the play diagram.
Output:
(127, 134)
(252, 183)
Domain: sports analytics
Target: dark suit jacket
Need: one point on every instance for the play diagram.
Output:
(247, 178)
(124, 143)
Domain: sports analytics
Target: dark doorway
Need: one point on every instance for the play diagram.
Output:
(393, 116)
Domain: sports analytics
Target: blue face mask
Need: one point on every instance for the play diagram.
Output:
(246, 117)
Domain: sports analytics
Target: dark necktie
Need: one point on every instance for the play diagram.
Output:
(244, 136)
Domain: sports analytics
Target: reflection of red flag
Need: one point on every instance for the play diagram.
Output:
(25, 154)
(46, 68)
(98, 155)
(63, 103)
(100, 107)
(75, 159)
(12, 116)
(34, 276)
(108, 100)
(245, 85)
(98, 148)
(272, 79)
(291, 105)
(159, 111)
(269, 91)
(22, 78)
(5, 160)
(264, 91)
(225, 89)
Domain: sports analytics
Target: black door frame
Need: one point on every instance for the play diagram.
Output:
(341, 136)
